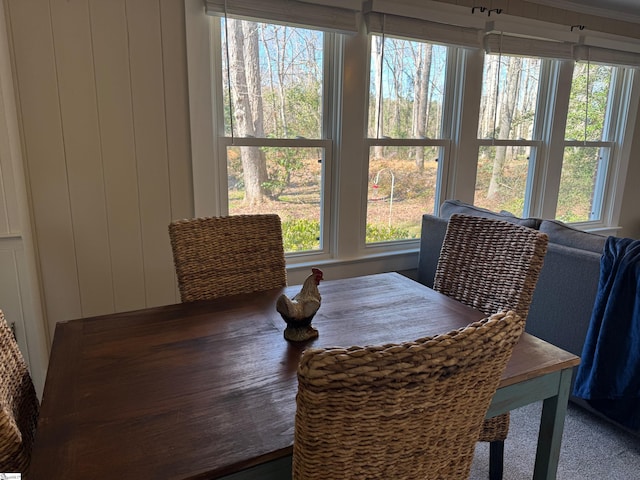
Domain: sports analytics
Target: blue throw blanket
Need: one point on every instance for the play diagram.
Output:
(609, 374)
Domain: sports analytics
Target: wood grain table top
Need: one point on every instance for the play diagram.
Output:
(204, 389)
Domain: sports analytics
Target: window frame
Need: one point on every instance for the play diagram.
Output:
(619, 124)
(346, 175)
(344, 250)
(332, 46)
(448, 125)
(548, 144)
(615, 124)
(538, 142)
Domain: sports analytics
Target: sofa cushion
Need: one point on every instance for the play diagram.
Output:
(563, 300)
(563, 234)
(449, 207)
(433, 232)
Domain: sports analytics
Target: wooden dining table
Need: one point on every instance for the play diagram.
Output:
(207, 389)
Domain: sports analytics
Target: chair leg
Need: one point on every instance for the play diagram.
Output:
(496, 459)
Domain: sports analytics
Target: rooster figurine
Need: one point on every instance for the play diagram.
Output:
(299, 311)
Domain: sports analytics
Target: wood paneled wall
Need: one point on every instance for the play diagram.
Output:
(103, 108)
(102, 104)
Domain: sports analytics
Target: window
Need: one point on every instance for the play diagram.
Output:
(275, 134)
(523, 107)
(405, 128)
(352, 133)
(506, 123)
(590, 129)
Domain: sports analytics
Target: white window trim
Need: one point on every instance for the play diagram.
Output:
(348, 177)
(614, 188)
(611, 187)
(201, 110)
(348, 256)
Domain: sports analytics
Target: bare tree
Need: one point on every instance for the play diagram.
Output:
(489, 93)
(377, 66)
(507, 111)
(421, 101)
(280, 42)
(272, 99)
(247, 104)
(396, 66)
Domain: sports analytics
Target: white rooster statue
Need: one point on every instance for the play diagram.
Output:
(300, 310)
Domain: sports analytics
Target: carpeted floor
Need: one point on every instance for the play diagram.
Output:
(592, 449)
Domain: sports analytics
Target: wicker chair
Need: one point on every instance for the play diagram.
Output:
(399, 411)
(492, 266)
(219, 256)
(19, 406)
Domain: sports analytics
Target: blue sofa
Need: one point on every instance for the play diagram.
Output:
(563, 300)
(565, 294)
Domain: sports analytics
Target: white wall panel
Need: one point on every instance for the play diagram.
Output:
(115, 113)
(9, 216)
(103, 102)
(81, 137)
(19, 286)
(174, 50)
(44, 154)
(10, 295)
(7, 192)
(17, 303)
(149, 119)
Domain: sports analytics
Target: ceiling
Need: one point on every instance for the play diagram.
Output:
(621, 6)
(628, 10)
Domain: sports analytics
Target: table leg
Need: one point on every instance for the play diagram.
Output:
(554, 410)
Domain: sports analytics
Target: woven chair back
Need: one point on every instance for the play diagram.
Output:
(18, 405)
(219, 256)
(490, 265)
(401, 411)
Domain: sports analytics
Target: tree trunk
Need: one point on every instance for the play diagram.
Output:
(507, 110)
(421, 100)
(246, 100)
(396, 75)
(489, 104)
(257, 161)
(281, 80)
(377, 122)
(274, 119)
(252, 69)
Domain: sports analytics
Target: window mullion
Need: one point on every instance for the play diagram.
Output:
(537, 163)
(507, 143)
(219, 162)
(349, 179)
(203, 49)
(464, 154)
(331, 102)
(406, 142)
(589, 143)
(274, 142)
(452, 109)
(611, 119)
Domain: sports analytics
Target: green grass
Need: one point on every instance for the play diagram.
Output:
(303, 234)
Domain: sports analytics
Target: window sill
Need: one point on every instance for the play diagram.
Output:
(353, 267)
